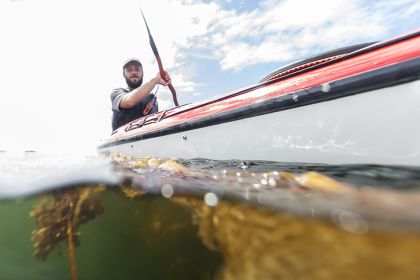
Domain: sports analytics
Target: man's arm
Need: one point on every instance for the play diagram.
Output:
(137, 95)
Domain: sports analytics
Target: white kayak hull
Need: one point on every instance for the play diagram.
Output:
(367, 128)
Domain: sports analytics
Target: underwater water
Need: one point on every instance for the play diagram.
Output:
(145, 218)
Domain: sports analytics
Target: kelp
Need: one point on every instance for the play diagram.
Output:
(260, 244)
(58, 217)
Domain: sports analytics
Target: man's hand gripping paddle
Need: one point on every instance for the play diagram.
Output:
(149, 105)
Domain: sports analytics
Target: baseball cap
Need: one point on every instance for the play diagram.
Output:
(132, 61)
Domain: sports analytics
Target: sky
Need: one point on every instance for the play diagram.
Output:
(60, 59)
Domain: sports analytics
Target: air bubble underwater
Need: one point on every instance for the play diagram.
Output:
(211, 199)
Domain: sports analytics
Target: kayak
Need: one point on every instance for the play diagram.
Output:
(354, 105)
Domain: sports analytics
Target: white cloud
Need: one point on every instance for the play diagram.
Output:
(61, 59)
(280, 30)
(164, 102)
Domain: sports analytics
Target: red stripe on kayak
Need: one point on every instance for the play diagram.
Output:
(386, 56)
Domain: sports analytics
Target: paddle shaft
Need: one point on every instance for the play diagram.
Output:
(162, 73)
(149, 105)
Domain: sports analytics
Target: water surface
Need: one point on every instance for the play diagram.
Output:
(69, 217)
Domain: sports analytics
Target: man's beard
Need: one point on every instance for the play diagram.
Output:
(133, 85)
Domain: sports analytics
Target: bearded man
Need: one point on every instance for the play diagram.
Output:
(129, 103)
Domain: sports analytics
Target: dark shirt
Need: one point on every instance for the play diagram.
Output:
(122, 116)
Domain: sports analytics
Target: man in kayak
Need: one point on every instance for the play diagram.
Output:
(129, 103)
